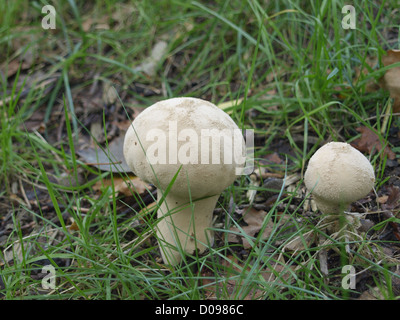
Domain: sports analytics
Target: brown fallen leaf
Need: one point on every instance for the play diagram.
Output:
(391, 80)
(393, 200)
(123, 186)
(150, 207)
(278, 271)
(73, 226)
(273, 158)
(98, 23)
(12, 67)
(372, 294)
(370, 142)
(111, 159)
(226, 282)
(25, 61)
(254, 220)
(383, 199)
(390, 206)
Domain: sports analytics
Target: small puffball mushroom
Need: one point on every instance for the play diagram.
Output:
(191, 151)
(337, 175)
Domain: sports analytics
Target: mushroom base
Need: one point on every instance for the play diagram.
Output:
(184, 226)
(330, 207)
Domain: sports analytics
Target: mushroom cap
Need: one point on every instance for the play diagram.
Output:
(337, 174)
(178, 125)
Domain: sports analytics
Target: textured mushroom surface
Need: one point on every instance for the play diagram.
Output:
(192, 115)
(337, 175)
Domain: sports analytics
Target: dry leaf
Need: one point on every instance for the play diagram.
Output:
(16, 252)
(150, 207)
(25, 61)
(254, 217)
(300, 243)
(390, 206)
(393, 200)
(12, 67)
(382, 199)
(370, 142)
(149, 65)
(90, 23)
(254, 220)
(109, 160)
(73, 226)
(372, 294)
(391, 79)
(123, 186)
(278, 270)
(273, 158)
(227, 283)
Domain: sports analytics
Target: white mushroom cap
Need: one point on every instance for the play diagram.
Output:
(337, 175)
(171, 135)
(188, 113)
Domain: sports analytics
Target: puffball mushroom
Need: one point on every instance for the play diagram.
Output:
(337, 175)
(191, 151)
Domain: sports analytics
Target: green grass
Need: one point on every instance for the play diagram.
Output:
(294, 70)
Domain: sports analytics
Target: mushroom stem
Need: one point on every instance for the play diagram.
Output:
(184, 226)
(336, 217)
(330, 207)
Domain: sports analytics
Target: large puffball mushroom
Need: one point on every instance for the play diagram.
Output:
(191, 151)
(337, 175)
